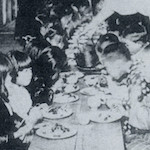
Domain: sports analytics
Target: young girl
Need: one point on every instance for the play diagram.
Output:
(19, 98)
(9, 133)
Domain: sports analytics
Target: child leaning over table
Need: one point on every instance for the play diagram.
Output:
(117, 60)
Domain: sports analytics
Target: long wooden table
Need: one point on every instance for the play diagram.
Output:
(94, 136)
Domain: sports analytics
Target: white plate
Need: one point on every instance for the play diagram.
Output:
(56, 131)
(65, 98)
(57, 112)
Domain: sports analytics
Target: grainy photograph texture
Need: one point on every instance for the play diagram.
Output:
(74, 74)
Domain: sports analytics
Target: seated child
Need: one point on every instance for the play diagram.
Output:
(11, 136)
(19, 98)
(117, 60)
(44, 76)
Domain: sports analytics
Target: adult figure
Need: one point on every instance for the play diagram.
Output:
(124, 7)
(25, 22)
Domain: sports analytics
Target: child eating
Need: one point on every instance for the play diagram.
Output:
(117, 60)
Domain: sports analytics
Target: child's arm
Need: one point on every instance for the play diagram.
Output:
(139, 114)
(35, 114)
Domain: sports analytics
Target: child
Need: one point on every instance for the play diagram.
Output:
(9, 133)
(117, 60)
(45, 74)
(19, 98)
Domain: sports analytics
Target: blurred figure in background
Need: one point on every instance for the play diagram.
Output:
(25, 22)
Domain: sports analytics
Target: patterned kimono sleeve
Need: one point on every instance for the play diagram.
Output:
(136, 129)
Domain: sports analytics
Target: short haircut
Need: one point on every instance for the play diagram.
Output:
(119, 48)
(20, 60)
(109, 37)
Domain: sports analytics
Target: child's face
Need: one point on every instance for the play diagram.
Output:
(24, 77)
(116, 65)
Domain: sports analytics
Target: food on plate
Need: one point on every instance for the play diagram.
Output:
(116, 105)
(106, 116)
(65, 98)
(91, 80)
(56, 131)
(71, 77)
(70, 88)
(57, 112)
(67, 88)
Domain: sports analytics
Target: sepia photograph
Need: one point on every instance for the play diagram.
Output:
(74, 74)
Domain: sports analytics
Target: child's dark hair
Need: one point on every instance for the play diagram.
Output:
(58, 55)
(20, 61)
(119, 48)
(5, 67)
(109, 37)
(45, 67)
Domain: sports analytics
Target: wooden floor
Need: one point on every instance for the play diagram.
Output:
(7, 42)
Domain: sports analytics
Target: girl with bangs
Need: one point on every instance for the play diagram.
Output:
(19, 78)
(9, 132)
(19, 97)
(6, 117)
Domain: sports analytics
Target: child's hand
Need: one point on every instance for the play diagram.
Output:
(23, 131)
(28, 138)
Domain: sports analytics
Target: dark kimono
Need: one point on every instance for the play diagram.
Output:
(25, 22)
(7, 127)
